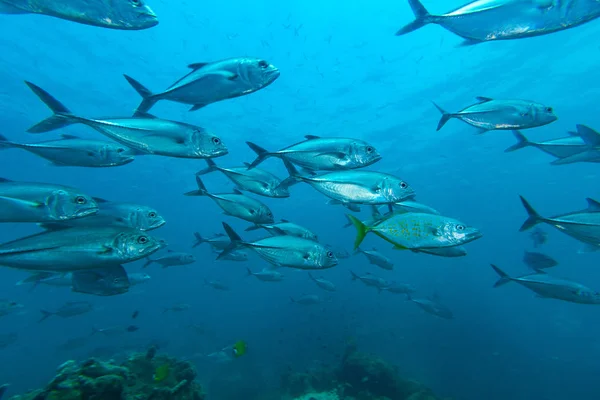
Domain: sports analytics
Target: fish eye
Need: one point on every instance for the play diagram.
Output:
(460, 227)
(549, 110)
(370, 149)
(403, 185)
(152, 214)
(142, 240)
(12, 303)
(216, 141)
(80, 200)
(263, 64)
(330, 254)
(136, 3)
(120, 150)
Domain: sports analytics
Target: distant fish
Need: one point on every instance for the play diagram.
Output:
(8, 307)
(266, 275)
(590, 154)
(322, 154)
(178, 307)
(253, 180)
(432, 305)
(537, 261)
(143, 133)
(487, 20)
(400, 288)
(371, 280)
(582, 225)
(323, 283)
(210, 82)
(135, 314)
(489, 114)
(110, 331)
(561, 148)
(218, 241)
(72, 151)
(69, 309)
(307, 299)
(547, 286)
(240, 348)
(286, 227)
(538, 237)
(217, 285)
(113, 14)
(376, 258)
(171, 259)
(236, 204)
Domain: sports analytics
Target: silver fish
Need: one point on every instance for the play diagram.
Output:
(72, 151)
(433, 306)
(178, 307)
(400, 288)
(452, 251)
(560, 148)
(285, 251)
(307, 299)
(42, 202)
(489, 114)
(361, 187)
(8, 307)
(237, 204)
(376, 258)
(286, 227)
(144, 133)
(323, 154)
(171, 259)
(109, 281)
(211, 82)
(113, 14)
(218, 241)
(538, 261)
(111, 213)
(266, 275)
(47, 278)
(371, 280)
(486, 20)
(68, 310)
(582, 225)
(217, 285)
(538, 237)
(547, 286)
(78, 249)
(237, 255)
(591, 153)
(254, 180)
(323, 283)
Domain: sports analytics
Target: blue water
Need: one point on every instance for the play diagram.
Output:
(343, 73)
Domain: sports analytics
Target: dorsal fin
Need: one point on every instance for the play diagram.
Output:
(100, 200)
(311, 137)
(199, 65)
(571, 133)
(237, 191)
(593, 205)
(141, 114)
(589, 136)
(482, 99)
(65, 136)
(247, 164)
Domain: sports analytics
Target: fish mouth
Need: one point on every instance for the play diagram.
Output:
(84, 212)
(272, 75)
(473, 236)
(157, 225)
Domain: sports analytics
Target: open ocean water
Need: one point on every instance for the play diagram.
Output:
(343, 74)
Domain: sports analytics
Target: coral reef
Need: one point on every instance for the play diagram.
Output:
(358, 377)
(131, 380)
